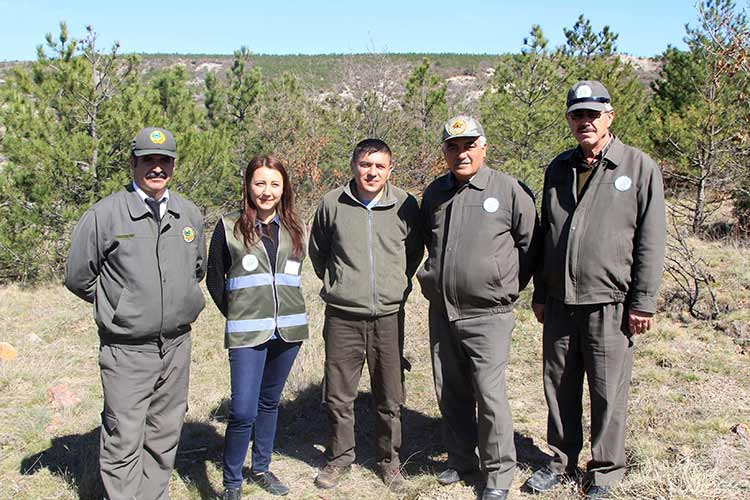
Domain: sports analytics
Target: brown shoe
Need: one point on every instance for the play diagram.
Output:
(330, 475)
(393, 478)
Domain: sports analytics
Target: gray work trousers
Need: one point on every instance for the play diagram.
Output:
(469, 358)
(592, 340)
(145, 400)
(349, 340)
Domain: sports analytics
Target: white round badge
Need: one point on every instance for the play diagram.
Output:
(250, 262)
(491, 205)
(623, 183)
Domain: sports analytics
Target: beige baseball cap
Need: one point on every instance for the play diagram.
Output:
(462, 126)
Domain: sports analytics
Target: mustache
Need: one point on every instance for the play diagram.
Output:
(153, 175)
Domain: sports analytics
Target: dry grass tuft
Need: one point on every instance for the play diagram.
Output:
(691, 387)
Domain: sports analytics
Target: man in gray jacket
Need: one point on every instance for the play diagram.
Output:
(137, 256)
(603, 232)
(365, 245)
(479, 226)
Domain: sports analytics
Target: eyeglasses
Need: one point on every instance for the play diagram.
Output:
(580, 114)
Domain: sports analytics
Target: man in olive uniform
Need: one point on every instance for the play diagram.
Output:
(365, 244)
(603, 233)
(137, 256)
(479, 227)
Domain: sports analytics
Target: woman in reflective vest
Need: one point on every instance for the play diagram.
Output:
(254, 265)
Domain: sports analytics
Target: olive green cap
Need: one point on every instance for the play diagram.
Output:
(154, 141)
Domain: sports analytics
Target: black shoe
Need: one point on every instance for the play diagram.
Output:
(595, 492)
(493, 494)
(269, 482)
(232, 494)
(449, 476)
(543, 480)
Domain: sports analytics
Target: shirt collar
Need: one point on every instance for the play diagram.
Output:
(144, 196)
(578, 152)
(275, 220)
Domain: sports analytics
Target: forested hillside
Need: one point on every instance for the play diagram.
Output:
(67, 118)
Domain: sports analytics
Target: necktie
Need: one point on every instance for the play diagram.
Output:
(155, 207)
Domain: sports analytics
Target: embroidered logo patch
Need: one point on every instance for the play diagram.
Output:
(457, 127)
(157, 137)
(583, 91)
(188, 234)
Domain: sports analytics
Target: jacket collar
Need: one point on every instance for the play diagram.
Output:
(479, 180)
(613, 155)
(138, 208)
(615, 152)
(386, 200)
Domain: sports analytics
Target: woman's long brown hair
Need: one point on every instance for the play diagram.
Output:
(245, 228)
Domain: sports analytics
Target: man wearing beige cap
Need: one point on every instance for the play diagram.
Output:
(479, 227)
(137, 256)
(596, 287)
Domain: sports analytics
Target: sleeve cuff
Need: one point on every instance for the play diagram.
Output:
(643, 302)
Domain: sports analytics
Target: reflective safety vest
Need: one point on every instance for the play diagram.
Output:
(260, 302)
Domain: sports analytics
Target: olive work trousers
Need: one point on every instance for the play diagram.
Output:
(593, 340)
(349, 341)
(145, 400)
(469, 358)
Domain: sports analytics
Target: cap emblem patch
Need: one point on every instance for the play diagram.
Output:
(583, 91)
(457, 127)
(157, 137)
(188, 234)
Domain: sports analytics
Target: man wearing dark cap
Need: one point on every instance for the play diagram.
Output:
(137, 256)
(596, 287)
(479, 227)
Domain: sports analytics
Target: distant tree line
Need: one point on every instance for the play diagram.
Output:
(67, 119)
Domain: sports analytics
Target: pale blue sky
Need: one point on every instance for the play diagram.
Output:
(646, 27)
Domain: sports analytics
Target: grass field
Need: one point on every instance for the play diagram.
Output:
(690, 391)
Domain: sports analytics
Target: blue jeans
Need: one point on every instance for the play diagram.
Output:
(258, 375)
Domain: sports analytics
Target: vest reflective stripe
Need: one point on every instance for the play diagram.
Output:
(262, 304)
(262, 280)
(288, 279)
(292, 320)
(249, 281)
(256, 325)
(250, 325)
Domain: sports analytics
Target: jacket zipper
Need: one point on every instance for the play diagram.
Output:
(161, 279)
(372, 261)
(576, 222)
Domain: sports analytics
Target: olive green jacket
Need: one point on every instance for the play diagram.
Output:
(260, 302)
(481, 243)
(366, 258)
(609, 245)
(141, 277)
